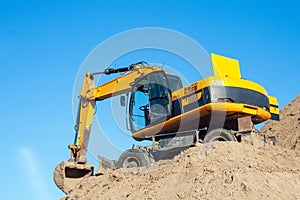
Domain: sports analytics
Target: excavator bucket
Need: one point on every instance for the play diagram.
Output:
(69, 174)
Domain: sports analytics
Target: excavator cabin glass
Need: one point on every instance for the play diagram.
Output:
(151, 100)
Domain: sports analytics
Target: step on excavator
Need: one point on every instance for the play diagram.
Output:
(222, 107)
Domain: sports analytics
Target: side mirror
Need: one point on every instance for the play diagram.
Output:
(123, 100)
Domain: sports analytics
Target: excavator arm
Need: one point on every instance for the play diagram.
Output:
(90, 94)
(68, 174)
(84, 120)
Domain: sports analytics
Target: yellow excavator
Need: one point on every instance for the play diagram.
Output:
(223, 107)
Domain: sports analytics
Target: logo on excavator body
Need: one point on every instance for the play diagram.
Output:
(191, 88)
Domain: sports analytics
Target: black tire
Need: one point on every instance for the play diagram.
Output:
(134, 158)
(219, 134)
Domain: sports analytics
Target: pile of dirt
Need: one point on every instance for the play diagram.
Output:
(221, 170)
(287, 130)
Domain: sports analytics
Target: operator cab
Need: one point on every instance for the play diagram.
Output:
(151, 99)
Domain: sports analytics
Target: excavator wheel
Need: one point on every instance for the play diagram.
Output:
(134, 158)
(68, 174)
(219, 134)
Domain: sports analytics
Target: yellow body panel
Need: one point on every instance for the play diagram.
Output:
(217, 81)
(226, 73)
(273, 105)
(225, 67)
(190, 118)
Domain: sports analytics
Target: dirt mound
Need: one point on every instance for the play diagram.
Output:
(222, 170)
(213, 171)
(287, 130)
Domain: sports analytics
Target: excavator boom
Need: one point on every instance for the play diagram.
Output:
(67, 174)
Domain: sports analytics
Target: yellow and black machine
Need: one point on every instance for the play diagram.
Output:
(223, 107)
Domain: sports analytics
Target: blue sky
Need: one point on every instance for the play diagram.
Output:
(43, 44)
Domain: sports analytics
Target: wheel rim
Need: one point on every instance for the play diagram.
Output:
(220, 138)
(131, 162)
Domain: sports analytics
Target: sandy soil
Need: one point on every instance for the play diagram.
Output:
(287, 130)
(223, 170)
